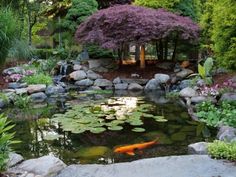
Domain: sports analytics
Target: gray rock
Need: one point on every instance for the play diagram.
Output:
(135, 86)
(36, 88)
(8, 91)
(103, 83)
(198, 148)
(77, 67)
(14, 159)
(123, 86)
(92, 75)
(228, 97)
(200, 99)
(16, 85)
(46, 166)
(117, 80)
(78, 75)
(185, 83)
(54, 90)
(2, 103)
(21, 91)
(162, 78)
(184, 73)
(13, 70)
(153, 84)
(188, 92)
(84, 82)
(138, 81)
(226, 133)
(38, 97)
(166, 65)
(170, 166)
(94, 88)
(201, 83)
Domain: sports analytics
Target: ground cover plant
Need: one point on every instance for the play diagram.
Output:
(38, 78)
(222, 150)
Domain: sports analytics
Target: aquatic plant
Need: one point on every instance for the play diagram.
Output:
(110, 115)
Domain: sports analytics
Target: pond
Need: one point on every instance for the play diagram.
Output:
(124, 119)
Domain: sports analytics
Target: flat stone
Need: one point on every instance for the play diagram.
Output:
(13, 70)
(122, 86)
(38, 97)
(84, 82)
(21, 91)
(46, 166)
(198, 148)
(54, 90)
(36, 88)
(184, 73)
(162, 78)
(137, 81)
(14, 159)
(200, 99)
(188, 92)
(92, 75)
(170, 166)
(103, 83)
(16, 85)
(135, 86)
(117, 80)
(153, 84)
(78, 75)
(8, 91)
(228, 97)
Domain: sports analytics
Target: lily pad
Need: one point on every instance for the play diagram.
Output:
(138, 129)
(51, 136)
(97, 130)
(115, 128)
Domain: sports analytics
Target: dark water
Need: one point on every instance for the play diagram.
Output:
(34, 127)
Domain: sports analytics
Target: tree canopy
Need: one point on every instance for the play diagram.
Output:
(117, 25)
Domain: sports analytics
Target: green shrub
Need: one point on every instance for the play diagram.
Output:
(96, 52)
(21, 50)
(6, 139)
(48, 65)
(43, 53)
(38, 78)
(22, 101)
(222, 150)
(172, 95)
(8, 32)
(213, 115)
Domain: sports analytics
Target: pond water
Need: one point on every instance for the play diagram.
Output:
(41, 135)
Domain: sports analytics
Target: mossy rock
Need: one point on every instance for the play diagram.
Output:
(91, 152)
(180, 136)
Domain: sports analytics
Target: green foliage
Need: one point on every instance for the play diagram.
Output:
(43, 53)
(205, 70)
(4, 98)
(96, 52)
(222, 150)
(20, 50)
(167, 4)
(217, 115)
(6, 139)
(47, 66)
(8, 32)
(22, 101)
(172, 95)
(111, 115)
(79, 12)
(38, 78)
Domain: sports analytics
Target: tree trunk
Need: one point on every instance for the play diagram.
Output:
(166, 48)
(142, 57)
(161, 50)
(137, 53)
(157, 51)
(59, 34)
(175, 48)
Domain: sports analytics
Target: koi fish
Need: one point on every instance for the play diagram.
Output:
(129, 149)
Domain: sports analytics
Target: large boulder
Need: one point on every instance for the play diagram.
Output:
(92, 75)
(14, 159)
(162, 78)
(84, 82)
(54, 90)
(36, 88)
(153, 84)
(122, 86)
(102, 83)
(198, 148)
(77, 67)
(38, 97)
(188, 92)
(134, 87)
(78, 75)
(46, 166)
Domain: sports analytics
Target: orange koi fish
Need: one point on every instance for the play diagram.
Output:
(129, 149)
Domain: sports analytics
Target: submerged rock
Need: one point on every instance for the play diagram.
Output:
(198, 148)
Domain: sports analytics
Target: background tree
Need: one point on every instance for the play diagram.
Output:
(107, 3)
